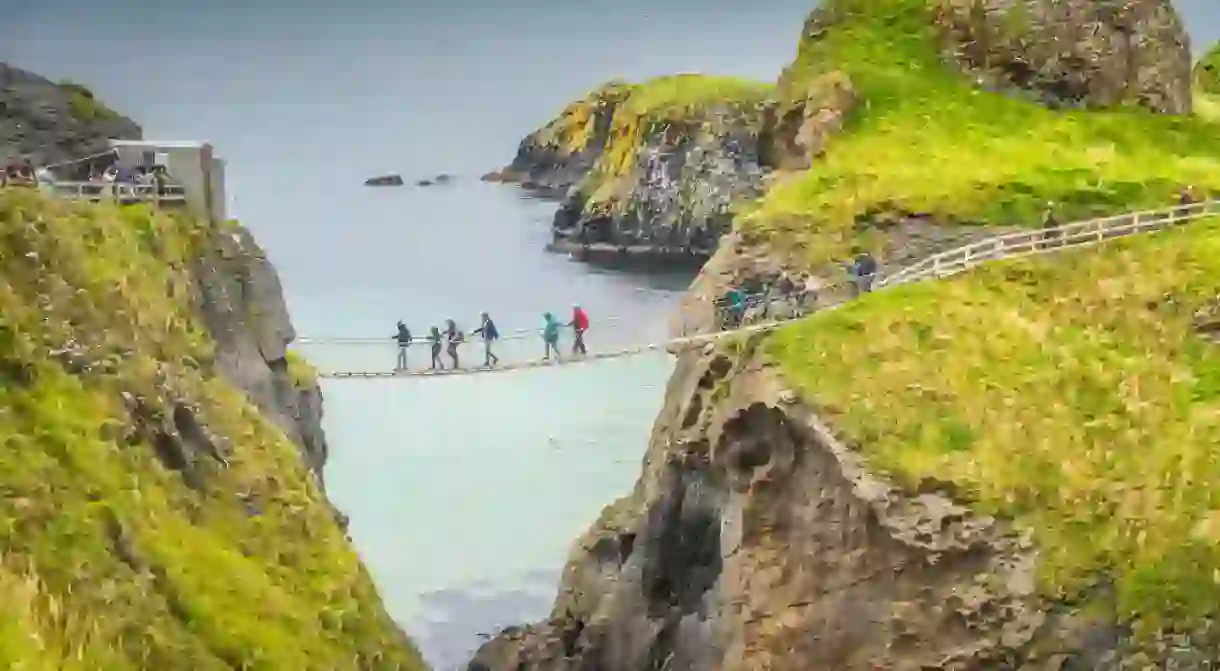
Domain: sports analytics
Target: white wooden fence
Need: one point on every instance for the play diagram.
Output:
(1041, 241)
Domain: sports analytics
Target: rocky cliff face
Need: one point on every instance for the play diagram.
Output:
(241, 302)
(49, 123)
(655, 167)
(758, 536)
(1081, 52)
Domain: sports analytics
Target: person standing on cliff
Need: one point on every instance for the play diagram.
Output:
(579, 324)
(1049, 223)
(550, 336)
(866, 272)
(453, 338)
(434, 337)
(403, 338)
(487, 329)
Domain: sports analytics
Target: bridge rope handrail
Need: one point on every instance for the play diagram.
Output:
(1005, 246)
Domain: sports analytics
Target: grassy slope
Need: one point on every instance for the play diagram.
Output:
(206, 585)
(1068, 392)
(1207, 85)
(927, 141)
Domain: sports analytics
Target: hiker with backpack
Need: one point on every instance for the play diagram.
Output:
(550, 336)
(579, 324)
(403, 338)
(487, 329)
(453, 338)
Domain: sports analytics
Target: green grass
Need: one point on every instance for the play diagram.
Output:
(1207, 85)
(925, 140)
(1070, 393)
(1207, 72)
(206, 583)
(692, 92)
(303, 374)
(84, 105)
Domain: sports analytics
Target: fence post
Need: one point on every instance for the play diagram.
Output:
(936, 265)
(1136, 222)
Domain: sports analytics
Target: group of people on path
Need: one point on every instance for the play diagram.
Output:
(732, 306)
(449, 339)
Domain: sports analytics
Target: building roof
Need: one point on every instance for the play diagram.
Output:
(156, 144)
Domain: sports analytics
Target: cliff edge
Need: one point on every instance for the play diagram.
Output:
(1000, 471)
(160, 497)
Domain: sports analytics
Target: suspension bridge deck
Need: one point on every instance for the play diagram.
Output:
(1001, 247)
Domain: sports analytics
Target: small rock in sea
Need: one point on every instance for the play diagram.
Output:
(384, 180)
(443, 178)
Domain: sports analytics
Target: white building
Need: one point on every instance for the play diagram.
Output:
(193, 166)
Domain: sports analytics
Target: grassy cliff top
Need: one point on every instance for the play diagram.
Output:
(1207, 71)
(111, 558)
(1207, 85)
(926, 140)
(1070, 392)
(635, 105)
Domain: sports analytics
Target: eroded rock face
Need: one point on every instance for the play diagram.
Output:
(755, 540)
(675, 191)
(50, 123)
(242, 305)
(666, 184)
(1090, 53)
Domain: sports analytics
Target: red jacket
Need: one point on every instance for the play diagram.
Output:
(580, 320)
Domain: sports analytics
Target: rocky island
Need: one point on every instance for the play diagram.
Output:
(160, 490)
(1010, 469)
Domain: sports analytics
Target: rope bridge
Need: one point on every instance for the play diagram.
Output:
(798, 305)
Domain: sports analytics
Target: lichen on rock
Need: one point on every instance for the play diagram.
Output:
(1092, 53)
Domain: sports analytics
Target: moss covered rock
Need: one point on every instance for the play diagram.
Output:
(653, 165)
(1092, 53)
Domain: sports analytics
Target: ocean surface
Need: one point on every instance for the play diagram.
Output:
(464, 493)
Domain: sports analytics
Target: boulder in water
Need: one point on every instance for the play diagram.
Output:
(443, 178)
(384, 180)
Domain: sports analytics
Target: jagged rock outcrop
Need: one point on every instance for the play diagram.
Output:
(49, 123)
(242, 303)
(1091, 53)
(663, 181)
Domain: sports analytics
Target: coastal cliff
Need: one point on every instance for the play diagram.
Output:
(1005, 470)
(161, 491)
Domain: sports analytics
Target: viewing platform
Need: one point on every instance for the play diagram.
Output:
(175, 174)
